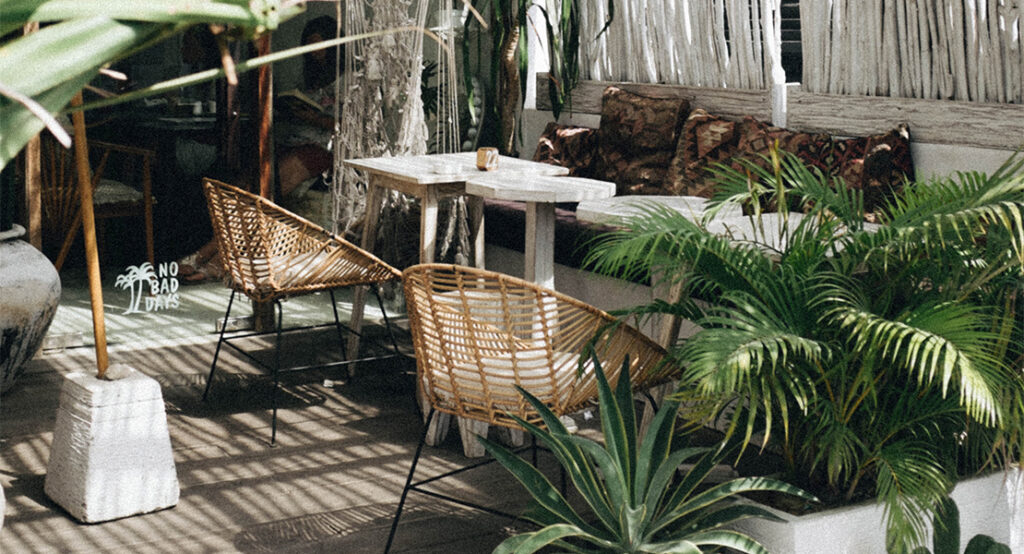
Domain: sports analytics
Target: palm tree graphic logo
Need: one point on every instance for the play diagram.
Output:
(134, 279)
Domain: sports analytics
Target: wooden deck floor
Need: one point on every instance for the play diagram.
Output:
(330, 485)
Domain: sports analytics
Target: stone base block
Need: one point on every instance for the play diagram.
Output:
(111, 455)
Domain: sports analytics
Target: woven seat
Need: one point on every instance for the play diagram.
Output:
(269, 254)
(479, 334)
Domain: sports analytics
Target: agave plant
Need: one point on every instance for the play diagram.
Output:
(637, 502)
(877, 361)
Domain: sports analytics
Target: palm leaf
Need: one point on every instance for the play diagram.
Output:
(265, 15)
(527, 543)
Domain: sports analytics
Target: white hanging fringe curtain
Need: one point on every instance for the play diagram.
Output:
(381, 106)
(936, 49)
(706, 43)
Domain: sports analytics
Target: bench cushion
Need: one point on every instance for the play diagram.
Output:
(637, 139)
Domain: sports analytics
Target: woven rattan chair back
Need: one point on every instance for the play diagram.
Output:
(269, 253)
(478, 334)
(118, 168)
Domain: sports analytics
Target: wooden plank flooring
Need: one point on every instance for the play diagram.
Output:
(330, 485)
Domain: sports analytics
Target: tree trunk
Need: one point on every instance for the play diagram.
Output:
(508, 88)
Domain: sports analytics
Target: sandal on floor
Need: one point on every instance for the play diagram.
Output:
(189, 265)
(210, 270)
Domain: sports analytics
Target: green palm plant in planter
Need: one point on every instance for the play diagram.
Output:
(876, 361)
(639, 504)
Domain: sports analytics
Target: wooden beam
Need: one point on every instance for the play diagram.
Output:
(983, 125)
(728, 103)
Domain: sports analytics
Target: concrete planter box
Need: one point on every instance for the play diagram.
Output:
(992, 505)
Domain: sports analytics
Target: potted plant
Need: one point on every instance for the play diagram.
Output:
(875, 361)
(637, 501)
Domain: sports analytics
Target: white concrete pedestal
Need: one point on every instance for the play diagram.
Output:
(111, 454)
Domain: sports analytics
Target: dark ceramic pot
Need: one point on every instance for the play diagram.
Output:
(29, 294)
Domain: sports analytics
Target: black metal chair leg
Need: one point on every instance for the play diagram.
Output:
(277, 374)
(533, 450)
(337, 327)
(220, 342)
(408, 482)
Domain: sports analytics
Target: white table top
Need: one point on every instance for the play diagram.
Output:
(609, 210)
(447, 168)
(531, 187)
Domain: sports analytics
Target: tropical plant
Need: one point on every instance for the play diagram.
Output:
(875, 360)
(638, 502)
(81, 40)
(508, 27)
(946, 535)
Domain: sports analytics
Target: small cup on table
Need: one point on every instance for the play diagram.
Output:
(487, 158)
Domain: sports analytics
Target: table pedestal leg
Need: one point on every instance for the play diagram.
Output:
(539, 255)
(428, 225)
(374, 203)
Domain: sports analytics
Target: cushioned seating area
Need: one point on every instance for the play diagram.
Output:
(658, 146)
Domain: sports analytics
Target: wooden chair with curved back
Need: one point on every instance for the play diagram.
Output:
(479, 334)
(122, 185)
(270, 254)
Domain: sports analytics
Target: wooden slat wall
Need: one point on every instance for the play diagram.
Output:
(999, 126)
(931, 121)
(729, 103)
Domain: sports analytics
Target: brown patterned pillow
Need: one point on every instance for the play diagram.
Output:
(757, 137)
(637, 139)
(704, 141)
(878, 165)
(568, 146)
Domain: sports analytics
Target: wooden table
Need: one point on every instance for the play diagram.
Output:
(541, 193)
(430, 178)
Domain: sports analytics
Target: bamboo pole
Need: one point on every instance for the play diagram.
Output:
(33, 179)
(92, 258)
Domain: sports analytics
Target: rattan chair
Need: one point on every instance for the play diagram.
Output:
(116, 165)
(269, 254)
(479, 334)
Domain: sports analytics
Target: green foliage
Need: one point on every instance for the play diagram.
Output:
(637, 501)
(84, 37)
(878, 361)
(946, 534)
(505, 16)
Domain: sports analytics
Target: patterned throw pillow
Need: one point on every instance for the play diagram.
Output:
(878, 165)
(569, 146)
(704, 141)
(637, 138)
(757, 138)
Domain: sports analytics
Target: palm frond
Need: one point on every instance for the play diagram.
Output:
(910, 482)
